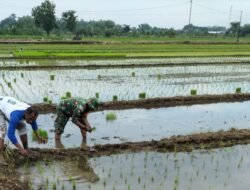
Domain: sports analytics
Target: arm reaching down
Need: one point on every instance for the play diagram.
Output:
(11, 135)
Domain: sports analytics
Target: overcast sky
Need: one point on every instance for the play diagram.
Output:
(161, 13)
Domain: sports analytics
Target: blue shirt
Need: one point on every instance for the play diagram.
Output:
(15, 118)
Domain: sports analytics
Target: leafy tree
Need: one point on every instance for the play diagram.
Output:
(70, 19)
(26, 26)
(7, 25)
(192, 29)
(145, 29)
(245, 30)
(234, 28)
(44, 16)
(126, 29)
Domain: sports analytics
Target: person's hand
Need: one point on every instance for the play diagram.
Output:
(89, 129)
(42, 140)
(24, 152)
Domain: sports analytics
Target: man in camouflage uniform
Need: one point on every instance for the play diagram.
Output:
(77, 109)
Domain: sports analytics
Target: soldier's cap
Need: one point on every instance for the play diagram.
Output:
(93, 103)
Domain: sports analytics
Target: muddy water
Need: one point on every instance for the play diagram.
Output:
(145, 125)
(58, 174)
(34, 85)
(226, 168)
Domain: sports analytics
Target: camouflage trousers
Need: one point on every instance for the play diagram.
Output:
(60, 121)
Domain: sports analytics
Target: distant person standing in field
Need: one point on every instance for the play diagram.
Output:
(16, 112)
(77, 109)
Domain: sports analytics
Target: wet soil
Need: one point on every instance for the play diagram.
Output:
(10, 180)
(107, 66)
(186, 143)
(13, 183)
(159, 102)
(174, 144)
(181, 143)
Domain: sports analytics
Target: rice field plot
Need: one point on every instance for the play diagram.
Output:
(224, 168)
(123, 50)
(137, 125)
(35, 86)
(40, 63)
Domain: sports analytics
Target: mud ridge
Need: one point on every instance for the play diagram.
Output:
(109, 66)
(158, 102)
(180, 143)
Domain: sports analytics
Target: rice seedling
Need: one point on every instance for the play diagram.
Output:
(68, 94)
(176, 183)
(115, 98)
(63, 97)
(111, 116)
(74, 185)
(22, 75)
(52, 77)
(45, 99)
(70, 178)
(97, 94)
(129, 188)
(152, 179)
(142, 95)
(121, 175)
(9, 84)
(42, 133)
(238, 90)
(104, 183)
(14, 80)
(54, 186)
(193, 92)
(133, 74)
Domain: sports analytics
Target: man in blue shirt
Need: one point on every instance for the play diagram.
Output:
(16, 112)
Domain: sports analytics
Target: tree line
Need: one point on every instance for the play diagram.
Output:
(44, 22)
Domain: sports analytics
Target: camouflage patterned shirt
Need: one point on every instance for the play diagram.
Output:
(73, 107)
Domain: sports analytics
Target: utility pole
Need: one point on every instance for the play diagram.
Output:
(238, 33)
(190, 14)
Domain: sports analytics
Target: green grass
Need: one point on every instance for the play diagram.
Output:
(123, 50)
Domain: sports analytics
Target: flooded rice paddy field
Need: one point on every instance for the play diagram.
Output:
(137, 125)
(223, 168)
(226, 168)
(126, 83)
(128, 62)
